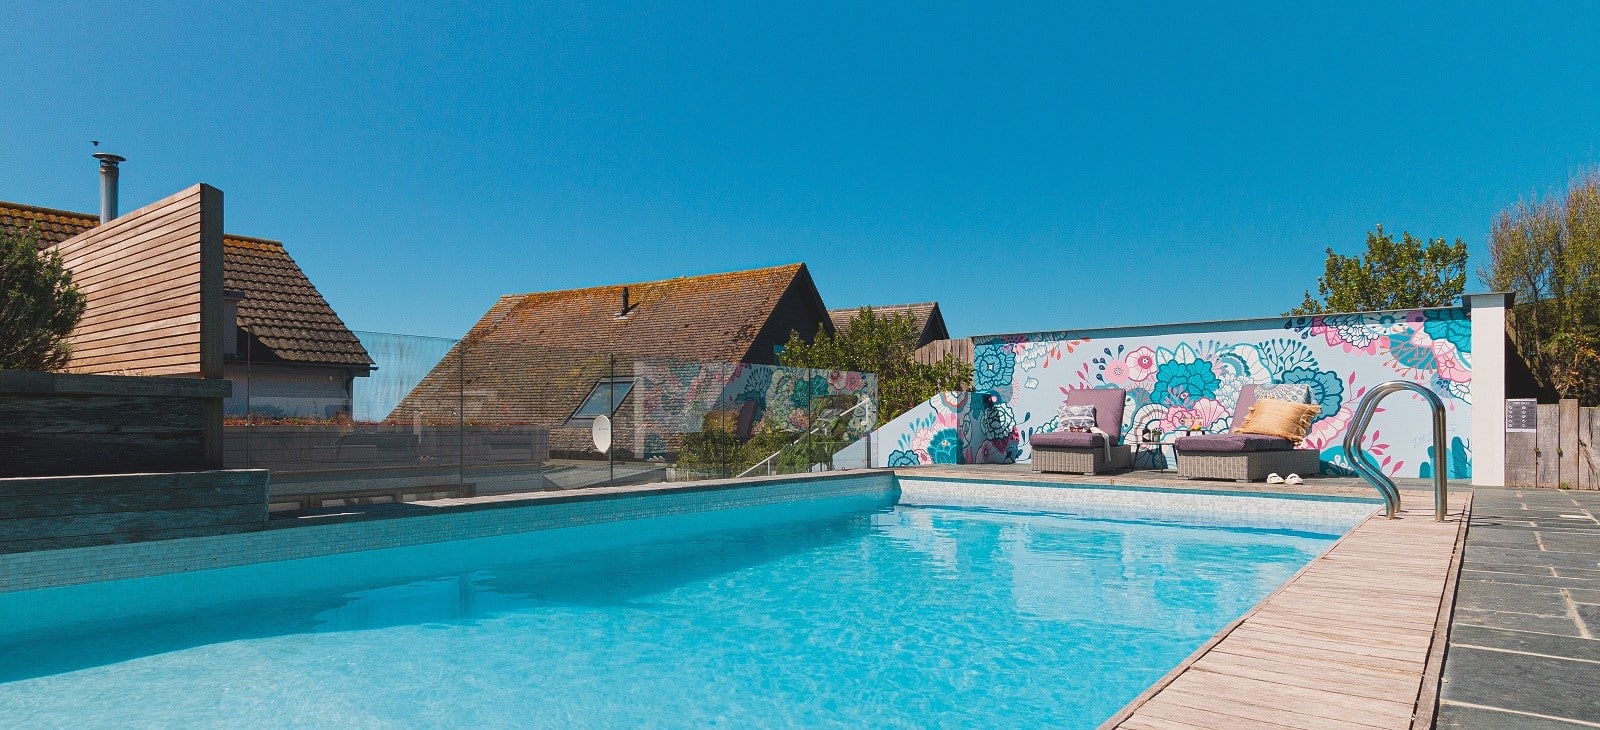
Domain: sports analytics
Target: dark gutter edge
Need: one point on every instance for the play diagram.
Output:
(1236, 324)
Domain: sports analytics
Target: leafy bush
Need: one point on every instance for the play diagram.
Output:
(39, 306)
(886, 347)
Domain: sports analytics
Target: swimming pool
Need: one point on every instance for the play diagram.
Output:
(863, 609)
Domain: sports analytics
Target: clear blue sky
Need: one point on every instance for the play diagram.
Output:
(1029, 170)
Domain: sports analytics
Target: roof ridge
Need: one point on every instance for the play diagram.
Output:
(94, 219)
(796, 266)
(876, 307)
(253, 239)
(56, 211)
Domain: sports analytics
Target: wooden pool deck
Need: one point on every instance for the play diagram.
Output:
(1355, 640)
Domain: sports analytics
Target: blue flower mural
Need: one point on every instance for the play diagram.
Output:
(1327, 390)
(904, 458)
(1408, 354)
(1183, 383)
(1450, 325)
(1281, 355)
(1460, 461)
(992, 367)
(807, 389)
(998, 420)
(945, 447)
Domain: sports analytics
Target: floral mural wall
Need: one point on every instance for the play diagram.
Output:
(952, 428)
(1178, 380)
(674, 397)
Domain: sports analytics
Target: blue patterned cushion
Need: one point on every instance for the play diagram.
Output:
(1292, 392)
(1075, 418)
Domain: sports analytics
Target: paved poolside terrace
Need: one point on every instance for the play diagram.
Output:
(1525, 637)
(1363, 635)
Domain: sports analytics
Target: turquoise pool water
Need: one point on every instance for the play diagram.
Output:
(839, 612)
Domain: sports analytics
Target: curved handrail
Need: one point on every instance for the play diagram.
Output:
(1369, 472)
(815, 430)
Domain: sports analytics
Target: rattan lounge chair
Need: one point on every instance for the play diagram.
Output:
(1242, 457)
(1086, 453)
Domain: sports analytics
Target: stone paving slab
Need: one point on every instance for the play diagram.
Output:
(1527, 642)
(1472, 718)
(1539, 684)
(1525, 638)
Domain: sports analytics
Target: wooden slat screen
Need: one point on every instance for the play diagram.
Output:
(153, 280)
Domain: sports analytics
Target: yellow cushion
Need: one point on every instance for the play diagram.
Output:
(1280, 418)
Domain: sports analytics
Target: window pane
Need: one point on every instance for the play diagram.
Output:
(603, 396)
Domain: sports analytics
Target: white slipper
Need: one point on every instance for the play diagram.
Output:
(1273, 478)
(1293, 479)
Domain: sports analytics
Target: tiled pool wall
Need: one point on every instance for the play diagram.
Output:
(74, 566)
(56, 568)
(1303, 513)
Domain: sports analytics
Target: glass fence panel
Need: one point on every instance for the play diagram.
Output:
(327, 434)
(436, 417)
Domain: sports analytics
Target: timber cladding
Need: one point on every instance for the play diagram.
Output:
(48, 513)
(153, 284)
(56, 424)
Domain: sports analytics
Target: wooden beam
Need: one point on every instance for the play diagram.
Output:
(1569, 443)
(1588, 448)
(1547, 466)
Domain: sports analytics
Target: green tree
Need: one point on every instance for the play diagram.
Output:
(887, 347)
(1548, 254)
(38, 305)
(1390, 275)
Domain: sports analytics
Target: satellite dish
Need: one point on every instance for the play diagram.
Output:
(601, 430)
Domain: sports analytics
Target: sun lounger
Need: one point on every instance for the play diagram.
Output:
(1242, 456)
(1087, 453)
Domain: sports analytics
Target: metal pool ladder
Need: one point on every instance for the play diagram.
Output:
(1369, 470)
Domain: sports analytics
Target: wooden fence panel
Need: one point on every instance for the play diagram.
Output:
(936, 350)
(1569, 443)
(1522, 460)
(153, 284)
(1589, 448)
(1564, 453)
(1548, 467)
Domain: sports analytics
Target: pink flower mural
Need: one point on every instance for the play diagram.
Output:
(1205, 414)
(1141, 364)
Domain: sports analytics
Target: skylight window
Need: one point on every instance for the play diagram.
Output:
(604, 400)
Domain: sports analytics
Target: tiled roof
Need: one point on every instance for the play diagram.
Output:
(533, 358)
(281, 308)
(712, 318)
(930, 322)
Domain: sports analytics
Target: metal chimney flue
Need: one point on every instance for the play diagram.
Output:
(108, 185)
